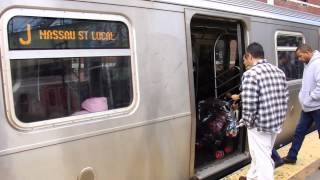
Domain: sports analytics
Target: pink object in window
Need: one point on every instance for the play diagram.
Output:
(95, 104)
(80, 112)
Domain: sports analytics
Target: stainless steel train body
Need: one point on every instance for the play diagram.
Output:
(140, 56)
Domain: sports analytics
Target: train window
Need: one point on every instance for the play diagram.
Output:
(289, 41)
(286, 44)
(233, 52)
(65, 67)
(58, 87)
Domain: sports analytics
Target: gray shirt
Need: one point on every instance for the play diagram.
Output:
(309, 95)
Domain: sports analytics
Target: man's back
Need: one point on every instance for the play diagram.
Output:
(265, 94)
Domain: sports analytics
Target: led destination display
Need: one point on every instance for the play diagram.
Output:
(26, 32)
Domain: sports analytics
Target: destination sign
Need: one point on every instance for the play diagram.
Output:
(26, 32)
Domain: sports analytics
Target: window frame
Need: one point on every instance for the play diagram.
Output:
(287, 48)
(7, 55)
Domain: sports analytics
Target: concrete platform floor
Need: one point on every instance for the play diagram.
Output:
(306, 168)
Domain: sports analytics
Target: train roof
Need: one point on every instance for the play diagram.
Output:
(246, 7)
(250, 7)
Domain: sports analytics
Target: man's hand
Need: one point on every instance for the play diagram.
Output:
(235, 97)
(240, 124)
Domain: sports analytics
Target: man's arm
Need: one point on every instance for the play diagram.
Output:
(315, 93)
(249, 97)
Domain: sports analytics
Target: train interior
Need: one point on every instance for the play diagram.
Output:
(55, 88)
(217, 74)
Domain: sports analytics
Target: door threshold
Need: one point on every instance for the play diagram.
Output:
(219, 166)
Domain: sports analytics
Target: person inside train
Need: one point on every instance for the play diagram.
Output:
(264, 100)
(309, 98)
(286, 66)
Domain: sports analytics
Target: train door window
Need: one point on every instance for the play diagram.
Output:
(65, 66)
(233, 53)
(217, 74)
(286, 44)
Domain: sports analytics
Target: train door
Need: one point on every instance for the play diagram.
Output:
(217, 48)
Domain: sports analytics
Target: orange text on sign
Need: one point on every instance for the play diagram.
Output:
(75, 35)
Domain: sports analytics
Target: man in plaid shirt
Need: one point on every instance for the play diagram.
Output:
(264, 105)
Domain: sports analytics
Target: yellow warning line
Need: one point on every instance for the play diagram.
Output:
(308, 171)
(309, 153)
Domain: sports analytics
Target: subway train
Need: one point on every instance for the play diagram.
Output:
(135, 89)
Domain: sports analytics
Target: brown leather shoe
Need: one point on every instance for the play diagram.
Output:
(242, 178)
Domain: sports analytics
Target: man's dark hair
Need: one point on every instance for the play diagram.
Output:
(304, 48)
(256, 50)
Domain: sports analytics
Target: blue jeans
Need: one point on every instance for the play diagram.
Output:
(305, 122)
(276, 157)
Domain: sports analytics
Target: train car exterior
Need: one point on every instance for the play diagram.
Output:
(109, 89)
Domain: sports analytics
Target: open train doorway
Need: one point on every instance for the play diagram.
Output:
(217, 48)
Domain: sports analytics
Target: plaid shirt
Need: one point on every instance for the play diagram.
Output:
(264, 97)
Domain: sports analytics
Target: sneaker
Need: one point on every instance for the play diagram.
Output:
(242, 178)
(286, 160)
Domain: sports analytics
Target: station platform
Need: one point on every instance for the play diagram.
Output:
(306, 168)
